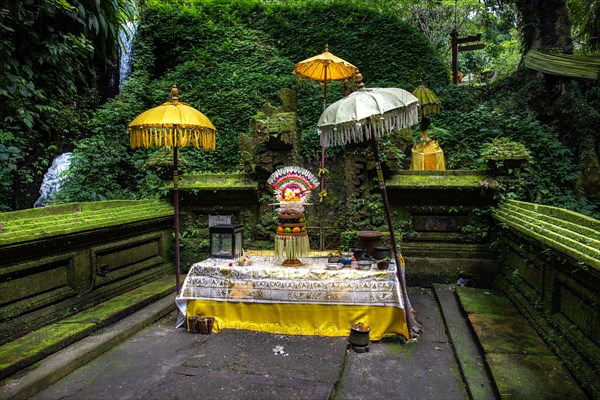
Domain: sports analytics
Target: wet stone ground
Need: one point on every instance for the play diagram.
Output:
(162, 362)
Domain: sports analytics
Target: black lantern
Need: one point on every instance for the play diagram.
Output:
(226, 241)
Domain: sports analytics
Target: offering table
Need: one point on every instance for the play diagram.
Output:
(308, 300)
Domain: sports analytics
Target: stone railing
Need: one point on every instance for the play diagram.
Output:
(58, 260)
(551, 271)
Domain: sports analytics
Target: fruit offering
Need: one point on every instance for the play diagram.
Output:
(292, 187)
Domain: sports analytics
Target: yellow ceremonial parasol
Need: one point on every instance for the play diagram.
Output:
(173, 124)
(325, 67)
(322, 68)
(428, 101)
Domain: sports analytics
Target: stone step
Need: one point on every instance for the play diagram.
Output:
(520, 363)
(470, 358)
(39, 344)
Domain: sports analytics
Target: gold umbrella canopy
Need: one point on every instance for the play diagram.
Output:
(324, 67)
(321, 68)
(429, 102)
(173, 123)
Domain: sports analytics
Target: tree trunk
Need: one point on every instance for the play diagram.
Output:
(545, 25)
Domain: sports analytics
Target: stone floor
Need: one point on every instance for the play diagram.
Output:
(474, 345)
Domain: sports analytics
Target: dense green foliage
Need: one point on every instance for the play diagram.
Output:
(53, 54)
(473, 117)
(230, 58)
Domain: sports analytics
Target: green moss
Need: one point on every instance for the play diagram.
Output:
(32, 224)
(478, 301)
(521, 376)
(436, 180)
(566, 221)
(118, 304)
(39, 343)
(555, 228)
(559, 213)
(217, 182)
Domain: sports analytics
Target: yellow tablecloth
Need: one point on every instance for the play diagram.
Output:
(308, 300)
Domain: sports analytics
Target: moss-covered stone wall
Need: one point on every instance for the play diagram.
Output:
(551, 271)
(440, 217)
(58, 260)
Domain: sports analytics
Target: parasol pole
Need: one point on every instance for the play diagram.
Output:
(401, 276)
(322, 198)
(176, 205)
(324, 107)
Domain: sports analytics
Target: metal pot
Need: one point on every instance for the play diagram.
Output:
(358, 253)
(358, 337)
(346, 258)
(382, 253)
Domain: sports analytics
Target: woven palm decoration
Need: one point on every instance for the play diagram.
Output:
(292, 184)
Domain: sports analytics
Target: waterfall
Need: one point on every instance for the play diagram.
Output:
(126, 36)
(53, 179)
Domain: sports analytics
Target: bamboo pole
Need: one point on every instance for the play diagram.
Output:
(414, 328)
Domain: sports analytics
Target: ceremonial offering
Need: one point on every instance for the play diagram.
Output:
(292, 187)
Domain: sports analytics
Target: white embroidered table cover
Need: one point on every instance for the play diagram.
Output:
(267, 282)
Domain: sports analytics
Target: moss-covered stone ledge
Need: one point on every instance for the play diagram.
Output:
(41, 223)
(59, 260)
(551, 271)
(226, 193)
(456, 187)
(568, 232)
(217, 182)
(455, 179)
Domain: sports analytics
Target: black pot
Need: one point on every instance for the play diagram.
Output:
(358, 253)
(381, 253)
(359, 338)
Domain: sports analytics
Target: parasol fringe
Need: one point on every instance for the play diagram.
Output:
(429, 109)
(163, 137)
(376, 127)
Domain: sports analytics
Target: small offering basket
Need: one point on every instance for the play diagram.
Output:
(202, 325)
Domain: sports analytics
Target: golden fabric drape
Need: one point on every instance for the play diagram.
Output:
(427, 155)
(300, 319)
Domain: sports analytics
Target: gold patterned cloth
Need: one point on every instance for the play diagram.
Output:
(307, 300)
(266, 282)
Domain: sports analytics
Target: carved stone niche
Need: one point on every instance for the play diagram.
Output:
(275, 128)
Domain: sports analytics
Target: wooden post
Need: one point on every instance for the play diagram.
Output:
(459, 49)
(454, 36)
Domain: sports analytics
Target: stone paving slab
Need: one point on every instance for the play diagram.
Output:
(197, 383)
(249, 352)
(421, 369)
(480, 301)
(532, 377)
(507, 334)
(522, 365)
(164, 362)
(470, 358)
